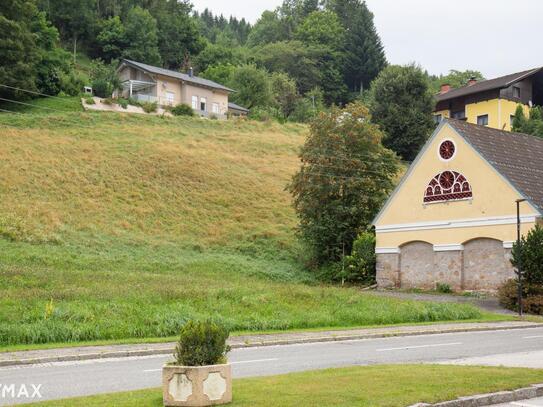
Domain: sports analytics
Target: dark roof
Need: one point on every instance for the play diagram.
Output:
(482, 86)
(178, 75)
(237, 107)
(516, 156)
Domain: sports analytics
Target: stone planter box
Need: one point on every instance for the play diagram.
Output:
(196, 385)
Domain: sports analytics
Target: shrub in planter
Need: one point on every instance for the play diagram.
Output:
(89, 100)
(149, 107)
(200, 375)
(182, 110)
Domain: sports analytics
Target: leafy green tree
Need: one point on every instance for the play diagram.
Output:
(142, 37)
(296, 59)
(532, 256)
(364, 52)
(455, 78)
(112, 38)
(321, 28)
(284, 92)
(222, 73)
(268, 29)
(104, 78)
(533, 124)
(308, 107)
(75, 19)
(178, 33)
(30, 55)
(214, 54)
(402, 104)
(345, 176)
(253, 87)
(18, 51)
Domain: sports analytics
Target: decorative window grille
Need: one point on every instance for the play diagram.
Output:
(447, 186)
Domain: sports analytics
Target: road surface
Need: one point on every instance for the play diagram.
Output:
(70, 379)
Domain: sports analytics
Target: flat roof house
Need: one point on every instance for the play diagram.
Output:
(452, 219)
(147, 83)
(491, 102)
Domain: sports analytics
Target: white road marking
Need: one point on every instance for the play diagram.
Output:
(533, 337)
(523, 404)
(420, 346)
(232, 363)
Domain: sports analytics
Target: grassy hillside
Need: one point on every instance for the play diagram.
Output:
(123, 226)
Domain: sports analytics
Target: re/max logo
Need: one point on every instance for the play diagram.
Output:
(20, 391)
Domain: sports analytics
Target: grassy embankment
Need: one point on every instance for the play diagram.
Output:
(123, 226)
(367, 386)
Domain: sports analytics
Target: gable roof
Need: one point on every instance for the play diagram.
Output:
(482, 86)
(516, 156)
(232, 105)
(177, 75)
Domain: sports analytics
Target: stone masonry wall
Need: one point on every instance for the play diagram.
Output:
(482, 265)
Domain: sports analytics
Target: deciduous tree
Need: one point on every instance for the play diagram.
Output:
(402, 104)
(345, 176)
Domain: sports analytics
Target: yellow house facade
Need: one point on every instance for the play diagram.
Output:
(491, 102)
(452, 219)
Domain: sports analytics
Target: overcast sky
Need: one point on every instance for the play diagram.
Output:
(496, 37)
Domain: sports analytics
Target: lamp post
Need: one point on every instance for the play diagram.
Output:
(519, 260)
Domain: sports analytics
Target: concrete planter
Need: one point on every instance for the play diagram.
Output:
(196, 385)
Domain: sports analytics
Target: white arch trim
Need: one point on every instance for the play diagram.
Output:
(449, 247)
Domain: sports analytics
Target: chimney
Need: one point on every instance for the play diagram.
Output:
(191, 72)
(445, 88)
(472, 81)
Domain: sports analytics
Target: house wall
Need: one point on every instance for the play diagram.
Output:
(212, 96)
(407, 228)
(165, 85)
(499, 112)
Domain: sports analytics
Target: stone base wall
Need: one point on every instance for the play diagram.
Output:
(483, 264)
(388, 270)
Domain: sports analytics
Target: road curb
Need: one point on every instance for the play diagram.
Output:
(254, 344)
(525, 393)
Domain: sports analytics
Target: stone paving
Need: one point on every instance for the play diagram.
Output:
(143, 349)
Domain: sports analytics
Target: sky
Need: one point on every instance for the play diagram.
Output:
(496, 37)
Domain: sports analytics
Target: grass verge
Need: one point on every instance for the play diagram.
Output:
(367, 386)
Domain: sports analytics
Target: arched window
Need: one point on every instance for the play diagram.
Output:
(447, 186)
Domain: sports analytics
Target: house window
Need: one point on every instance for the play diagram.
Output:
(459, 115)
(170, 97)
(437, 118)
(215, 108)
(195, 102)
(482, 120)
(516, 92)
(447, 186)
(203, 104)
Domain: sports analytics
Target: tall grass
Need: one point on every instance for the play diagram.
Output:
(119, 226)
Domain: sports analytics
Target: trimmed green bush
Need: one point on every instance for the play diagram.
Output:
(360, 265)
(202, 343)
(182, 110)
(123, 103)
(149, 107)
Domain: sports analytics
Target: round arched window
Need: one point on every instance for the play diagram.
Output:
(447, 150)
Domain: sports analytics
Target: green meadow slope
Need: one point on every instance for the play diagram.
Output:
(116, 226)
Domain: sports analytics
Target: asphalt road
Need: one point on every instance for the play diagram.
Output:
(70, 379)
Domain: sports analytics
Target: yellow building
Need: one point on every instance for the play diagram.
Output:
(452, 219)
(491, 102)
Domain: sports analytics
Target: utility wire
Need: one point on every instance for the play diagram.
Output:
(32, 92)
